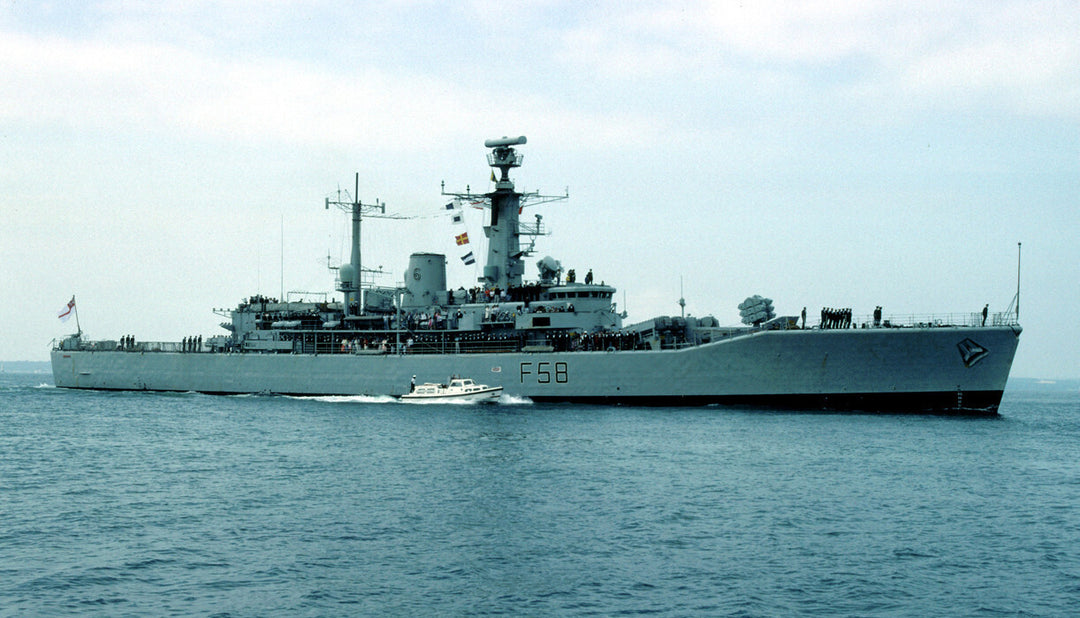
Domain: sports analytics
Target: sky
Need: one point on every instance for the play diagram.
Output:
(161, 160)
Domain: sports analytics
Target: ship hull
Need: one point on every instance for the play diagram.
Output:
(962, 369)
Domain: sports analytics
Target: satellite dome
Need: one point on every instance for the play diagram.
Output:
(347, 272)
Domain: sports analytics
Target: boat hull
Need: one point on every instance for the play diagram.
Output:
(485, 395)
(960, 369)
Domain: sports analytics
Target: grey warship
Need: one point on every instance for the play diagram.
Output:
(555, 338)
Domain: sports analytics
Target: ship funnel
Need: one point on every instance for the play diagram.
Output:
(505, 141)
(425, 280)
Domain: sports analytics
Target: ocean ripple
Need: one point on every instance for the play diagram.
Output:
(183, 504)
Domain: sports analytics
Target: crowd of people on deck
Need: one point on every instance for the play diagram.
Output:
(514, 294)
(835, 318)
(507, 340)
(561, 341)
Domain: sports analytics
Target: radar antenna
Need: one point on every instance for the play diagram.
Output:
(505, 266)
(504, 157)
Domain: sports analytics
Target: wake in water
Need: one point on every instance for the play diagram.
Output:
(511, 400)
(506, 400)
(346, 398)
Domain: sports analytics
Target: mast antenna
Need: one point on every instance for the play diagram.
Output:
(1018, 281)
(682, 300)
(1014, 306)
(350, 276)
(282, 257)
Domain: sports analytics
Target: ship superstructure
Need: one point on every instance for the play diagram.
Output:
(553, 337)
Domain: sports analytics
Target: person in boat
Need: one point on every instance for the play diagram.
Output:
(412, 384)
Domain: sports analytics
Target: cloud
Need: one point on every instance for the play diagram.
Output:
(1023, 57)
(109, 85)
(1018, 56)
(162, 87)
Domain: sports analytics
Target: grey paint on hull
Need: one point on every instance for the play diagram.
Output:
(853, 368)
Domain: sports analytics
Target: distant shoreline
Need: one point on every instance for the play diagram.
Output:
(25, 367)
(1042, 385)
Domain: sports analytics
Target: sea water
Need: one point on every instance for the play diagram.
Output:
(134, 503)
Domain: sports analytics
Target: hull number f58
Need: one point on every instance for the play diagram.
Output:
(544, 372)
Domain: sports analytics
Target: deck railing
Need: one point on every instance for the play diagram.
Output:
(925, 320)
(420, 344)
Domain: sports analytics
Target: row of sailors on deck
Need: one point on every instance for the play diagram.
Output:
(835, 318)
(191, 344)
(348, 345)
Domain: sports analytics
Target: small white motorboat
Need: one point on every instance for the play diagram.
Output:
(457, 389)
